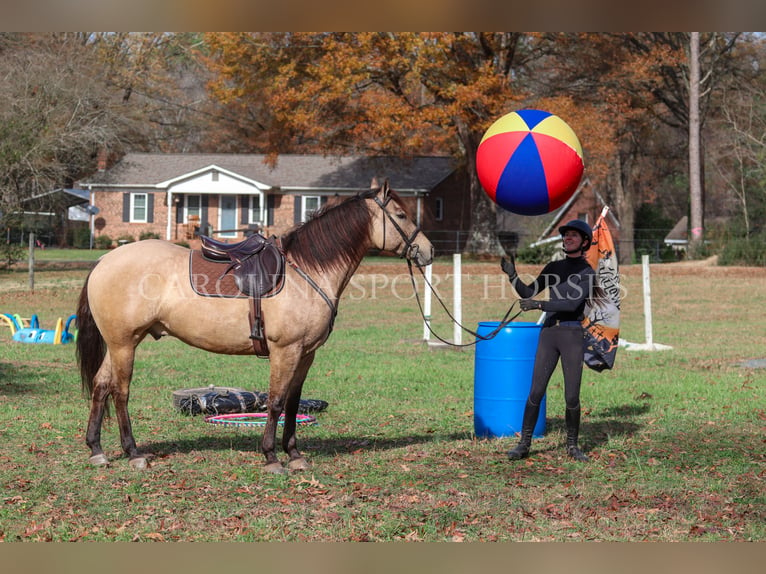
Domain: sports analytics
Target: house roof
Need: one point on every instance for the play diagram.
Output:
(678, 235)
(59, 197)
(291, 172)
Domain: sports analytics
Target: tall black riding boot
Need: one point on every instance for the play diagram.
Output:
(531, 413)
(573, 432)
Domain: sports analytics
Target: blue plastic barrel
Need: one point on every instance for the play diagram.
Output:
(502, 378)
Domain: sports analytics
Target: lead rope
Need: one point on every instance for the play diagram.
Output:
(503, 323)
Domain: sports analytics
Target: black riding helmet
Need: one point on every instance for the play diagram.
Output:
(582, 228)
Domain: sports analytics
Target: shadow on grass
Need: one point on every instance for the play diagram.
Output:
(309, 446)
(24, 380)
(16, 381)
(595, 431)
(601, 426)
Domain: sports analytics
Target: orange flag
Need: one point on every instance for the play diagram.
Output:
(602, 320)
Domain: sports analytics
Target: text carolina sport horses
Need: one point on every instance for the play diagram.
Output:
(143, 288)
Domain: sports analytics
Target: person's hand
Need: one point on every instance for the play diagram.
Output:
(508, 267)
(529, 304)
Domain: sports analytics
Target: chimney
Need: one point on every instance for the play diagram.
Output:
(102, 159)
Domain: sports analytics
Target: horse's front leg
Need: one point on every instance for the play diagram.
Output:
(296, 460)
(288, 370)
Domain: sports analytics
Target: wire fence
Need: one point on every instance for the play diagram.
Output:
(447, 242)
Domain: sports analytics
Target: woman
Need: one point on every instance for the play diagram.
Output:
(571, 283)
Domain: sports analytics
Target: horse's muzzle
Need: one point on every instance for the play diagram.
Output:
(421, 258)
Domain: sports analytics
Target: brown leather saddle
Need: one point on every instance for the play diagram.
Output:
(257, 267)
(256, 263)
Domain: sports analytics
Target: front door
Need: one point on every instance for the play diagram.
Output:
(227, 217)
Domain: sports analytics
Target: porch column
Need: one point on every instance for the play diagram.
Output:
(168, 235)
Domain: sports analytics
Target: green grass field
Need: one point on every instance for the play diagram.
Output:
(676, 438)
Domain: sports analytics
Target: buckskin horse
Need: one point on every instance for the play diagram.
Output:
(144, 288)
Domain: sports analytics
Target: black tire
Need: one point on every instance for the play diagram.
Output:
(183, 395)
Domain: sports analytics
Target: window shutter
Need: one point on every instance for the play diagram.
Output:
(297, 209)
(150, 208)
(270, 199)
(203, 218)
(244, 204)
(126, 207)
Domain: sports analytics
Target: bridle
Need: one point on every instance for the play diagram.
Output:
(410, 249)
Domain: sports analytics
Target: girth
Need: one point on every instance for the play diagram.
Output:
(255, 266)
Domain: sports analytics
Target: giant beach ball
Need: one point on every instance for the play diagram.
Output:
(529, 162)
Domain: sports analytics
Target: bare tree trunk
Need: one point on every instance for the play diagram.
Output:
(482, 235)
(625, 212)
(695, 165)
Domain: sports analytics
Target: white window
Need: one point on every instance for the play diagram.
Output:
(139, 209)
(439, 209)
(192, 207)
(309, 204)
(255, 209)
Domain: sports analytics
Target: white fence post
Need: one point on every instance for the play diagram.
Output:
(457, 299)
(427, 303)
(647, 301)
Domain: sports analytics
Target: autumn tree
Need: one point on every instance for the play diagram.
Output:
(683, 84)
(640, 81)
(738, 152)
(379, 93)
(157, 90)
(65, 96)
(52, 117)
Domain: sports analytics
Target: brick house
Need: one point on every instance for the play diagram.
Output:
(176, 196)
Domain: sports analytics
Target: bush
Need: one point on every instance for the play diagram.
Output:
(747, 251)
(103, 242)
(538, 255)
(80, 237)
(148, 235)
(11, 253)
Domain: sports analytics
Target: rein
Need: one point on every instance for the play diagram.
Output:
(409, 251)
(504, 322)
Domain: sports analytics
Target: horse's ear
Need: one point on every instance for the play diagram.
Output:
(385, 189)
(374, 183)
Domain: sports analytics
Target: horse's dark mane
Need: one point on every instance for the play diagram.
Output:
(335, 236)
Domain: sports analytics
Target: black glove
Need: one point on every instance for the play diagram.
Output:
(508, 267)
(529, 304)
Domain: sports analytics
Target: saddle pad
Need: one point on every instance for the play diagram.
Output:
(207, 277)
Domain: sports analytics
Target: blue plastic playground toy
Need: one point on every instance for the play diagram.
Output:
(32, 333)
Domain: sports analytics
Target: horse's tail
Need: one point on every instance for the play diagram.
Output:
(91, 347)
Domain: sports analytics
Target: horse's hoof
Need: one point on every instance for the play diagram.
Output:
(298, 464)
(99, 460)
(274, 468)
(139, 463)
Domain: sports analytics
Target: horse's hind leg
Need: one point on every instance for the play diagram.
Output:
(113, 378)
(122, 372)
(101, 386)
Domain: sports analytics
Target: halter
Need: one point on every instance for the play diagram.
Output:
(410, 249)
